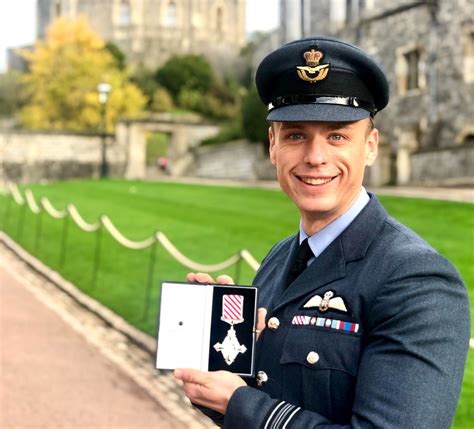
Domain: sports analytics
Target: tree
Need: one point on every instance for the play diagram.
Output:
(118, 54)
(254, 114)
(187, 72)
(65, 70)
(11, 93)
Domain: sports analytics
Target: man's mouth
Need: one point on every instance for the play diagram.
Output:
(316, 181)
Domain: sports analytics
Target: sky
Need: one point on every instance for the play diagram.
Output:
(18, 22)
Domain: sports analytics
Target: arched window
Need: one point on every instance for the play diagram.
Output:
(219, 21)
(124, 16)
(171, 14)
(57, 8)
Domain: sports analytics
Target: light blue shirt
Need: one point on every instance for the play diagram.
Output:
(323, 238)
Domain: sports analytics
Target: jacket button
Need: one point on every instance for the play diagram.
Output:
(261, 378)
(312, 358)
(273, 323)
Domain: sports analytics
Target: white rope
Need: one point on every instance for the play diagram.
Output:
(57, 214)
(30, 199)
(188, 263)
(16, 194)
(81, 223)
(124, 241)
(251, 261)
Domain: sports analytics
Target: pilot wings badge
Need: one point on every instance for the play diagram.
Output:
(326, 302)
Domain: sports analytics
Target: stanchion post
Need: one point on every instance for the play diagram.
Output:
(39, 227)
(149, 283)
(62, 249)
(238, 269)
(21, 221)
(6, 212)
(95, 268)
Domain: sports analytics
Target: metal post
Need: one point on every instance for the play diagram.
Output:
(95, 268)
(21, 221)
(103, 143)
(62, 249)
(6, 213)
(149, 283)
(238, 270)
(103, 89)
(39, 225)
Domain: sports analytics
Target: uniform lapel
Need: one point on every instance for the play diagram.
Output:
(351, 245)
(328, 267)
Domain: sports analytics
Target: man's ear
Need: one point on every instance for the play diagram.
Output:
(271, 138)
(371, 147)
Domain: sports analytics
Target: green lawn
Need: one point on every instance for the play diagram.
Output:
(207, 224)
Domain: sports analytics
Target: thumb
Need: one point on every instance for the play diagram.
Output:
(261, 315)
(189, 375)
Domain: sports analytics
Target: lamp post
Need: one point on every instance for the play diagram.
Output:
(103, 89)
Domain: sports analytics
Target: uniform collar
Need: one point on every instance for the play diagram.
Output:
(323, 238)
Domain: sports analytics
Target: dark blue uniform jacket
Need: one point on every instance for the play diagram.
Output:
(396, 362)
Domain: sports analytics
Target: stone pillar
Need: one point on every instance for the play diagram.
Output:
(407, 144)
(136, 150)
(180, 158)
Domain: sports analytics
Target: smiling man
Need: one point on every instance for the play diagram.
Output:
(363, 324)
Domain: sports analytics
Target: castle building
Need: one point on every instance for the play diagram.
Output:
(427, 51)
(150, 31)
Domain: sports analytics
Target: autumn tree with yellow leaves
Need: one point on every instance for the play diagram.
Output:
(61, 85)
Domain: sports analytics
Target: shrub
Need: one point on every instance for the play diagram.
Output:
(162, 101)
(254, 113)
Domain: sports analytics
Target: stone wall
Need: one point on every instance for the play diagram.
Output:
(237, 160)
(451, 166)
(27, 157)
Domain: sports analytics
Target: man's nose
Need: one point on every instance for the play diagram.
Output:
(316, 150)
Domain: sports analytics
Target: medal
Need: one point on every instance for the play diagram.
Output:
(232, 313)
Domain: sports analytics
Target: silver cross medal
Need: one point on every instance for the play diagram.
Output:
(232, 312)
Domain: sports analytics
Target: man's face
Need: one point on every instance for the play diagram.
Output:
(320, 165)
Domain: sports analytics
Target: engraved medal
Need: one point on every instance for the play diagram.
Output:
(232, 313)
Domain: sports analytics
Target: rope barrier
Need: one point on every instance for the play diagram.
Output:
(30, 200)
(104, 221)
(56, 214)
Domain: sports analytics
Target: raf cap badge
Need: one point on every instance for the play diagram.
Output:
(326, 302)
(313, 71)
(232, 313)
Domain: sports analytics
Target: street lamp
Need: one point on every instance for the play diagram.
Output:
(103, 89)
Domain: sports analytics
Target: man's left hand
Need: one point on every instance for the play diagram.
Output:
(211, 389)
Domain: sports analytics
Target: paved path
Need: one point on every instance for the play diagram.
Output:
(51, 377)
(461, 194)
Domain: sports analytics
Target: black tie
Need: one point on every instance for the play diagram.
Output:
(303, 255)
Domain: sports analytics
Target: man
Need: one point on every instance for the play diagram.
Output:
(366, 325)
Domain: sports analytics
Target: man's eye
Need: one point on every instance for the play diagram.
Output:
(336, 137)
(295, 136)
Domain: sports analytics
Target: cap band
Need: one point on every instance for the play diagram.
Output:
(317, 99)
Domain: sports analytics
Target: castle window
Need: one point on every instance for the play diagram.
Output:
(171, 14)
(124, 18)
(219, 21)
(469, 56)
(349, 5)
(57, 8)
(412, 59)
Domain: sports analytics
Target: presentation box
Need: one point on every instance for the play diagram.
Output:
(207, 327)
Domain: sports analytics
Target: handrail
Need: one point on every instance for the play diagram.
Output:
(104, 221)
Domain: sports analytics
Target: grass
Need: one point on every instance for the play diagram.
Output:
(207, 224)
